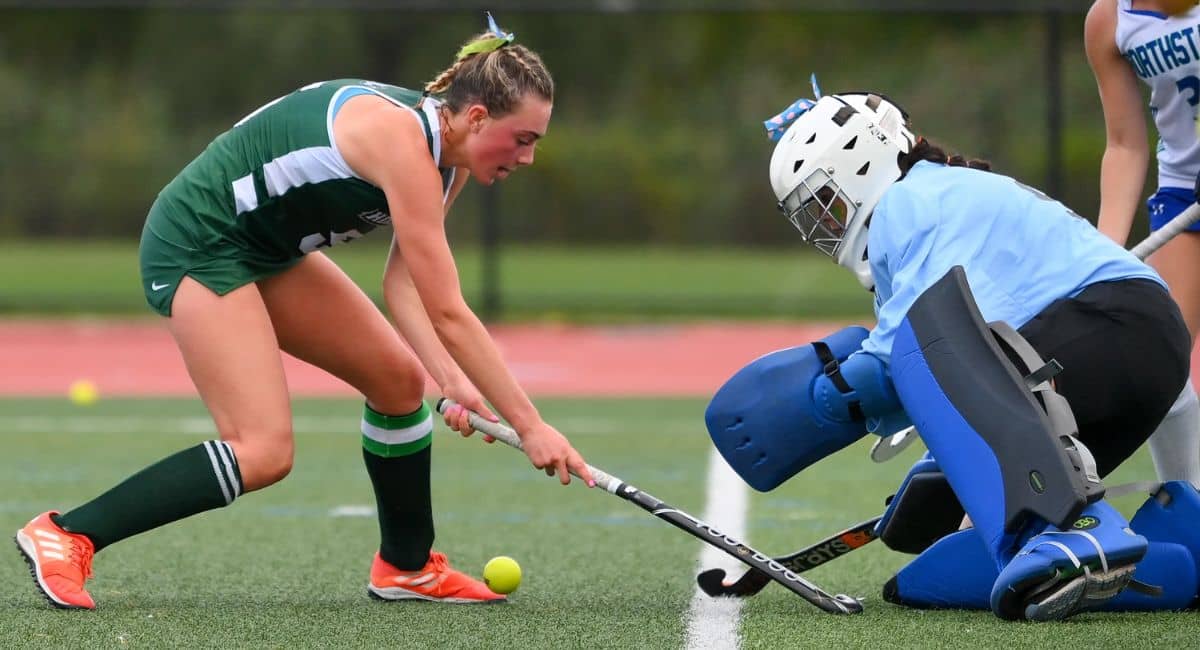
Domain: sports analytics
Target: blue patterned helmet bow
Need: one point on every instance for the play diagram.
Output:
(776, 126)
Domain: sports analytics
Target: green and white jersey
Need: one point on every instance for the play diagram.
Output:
(275, 186)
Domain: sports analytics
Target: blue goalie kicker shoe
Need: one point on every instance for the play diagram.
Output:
(1059, 573)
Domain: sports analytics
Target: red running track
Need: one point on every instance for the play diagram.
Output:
(42, 358)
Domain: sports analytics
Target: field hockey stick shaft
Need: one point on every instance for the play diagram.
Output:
(1163, 235)
(839, 604)
(753, 581)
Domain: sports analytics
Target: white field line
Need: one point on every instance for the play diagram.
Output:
(713, 622)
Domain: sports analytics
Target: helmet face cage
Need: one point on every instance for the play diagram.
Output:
(820, 210)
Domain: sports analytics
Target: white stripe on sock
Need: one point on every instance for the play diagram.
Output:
(209, 446)
(398, 436)
(226, 452)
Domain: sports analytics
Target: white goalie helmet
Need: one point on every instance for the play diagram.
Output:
(831, 167)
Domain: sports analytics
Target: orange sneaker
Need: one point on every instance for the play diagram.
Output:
(435, 581)
(60, 562)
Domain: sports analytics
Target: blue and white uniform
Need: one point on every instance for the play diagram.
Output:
(1021, 250)
(1164, 52)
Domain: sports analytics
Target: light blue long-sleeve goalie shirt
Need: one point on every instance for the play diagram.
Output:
(1021, 249)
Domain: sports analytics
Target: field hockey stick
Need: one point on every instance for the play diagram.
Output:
(1163, 235)
(839, 604)
(712, 581)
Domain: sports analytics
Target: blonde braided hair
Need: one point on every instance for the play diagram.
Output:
(499, 79)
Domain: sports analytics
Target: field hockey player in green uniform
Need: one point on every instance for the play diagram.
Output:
(230, 255)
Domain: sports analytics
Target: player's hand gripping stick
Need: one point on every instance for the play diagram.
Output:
(839, 604)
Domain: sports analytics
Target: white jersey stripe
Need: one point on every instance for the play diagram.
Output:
(303, 166)
(244, 196)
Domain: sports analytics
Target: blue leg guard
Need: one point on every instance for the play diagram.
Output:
(1167, 566)
(957, 572)
(1010, 456)
(1058, 573)
(1170, 518)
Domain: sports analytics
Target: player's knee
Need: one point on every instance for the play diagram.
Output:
(410, 380)
(399, 389)
(264, 456)
(278, 465)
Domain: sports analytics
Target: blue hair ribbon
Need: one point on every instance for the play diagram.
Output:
(499, 39)
(508, 36)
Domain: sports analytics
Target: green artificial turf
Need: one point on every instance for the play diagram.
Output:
(278, 569)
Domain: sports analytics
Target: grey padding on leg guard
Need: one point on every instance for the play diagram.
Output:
(1062, 419)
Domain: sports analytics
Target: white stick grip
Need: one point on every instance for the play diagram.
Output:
(509, 437)
(1163, 235)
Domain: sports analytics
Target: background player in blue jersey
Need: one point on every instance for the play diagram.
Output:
(229, 255)
(1158, 42)
(915, 226)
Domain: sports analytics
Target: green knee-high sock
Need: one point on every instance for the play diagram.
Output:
(396, 450)
(194, 480)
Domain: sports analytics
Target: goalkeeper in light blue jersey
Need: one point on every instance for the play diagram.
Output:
(1033, 354)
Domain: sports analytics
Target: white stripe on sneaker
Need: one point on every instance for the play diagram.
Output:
(421, 579)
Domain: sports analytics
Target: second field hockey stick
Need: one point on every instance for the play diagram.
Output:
(712, 581)
(1163, 235)
(887, 448)
(751, 582)
(839, 604)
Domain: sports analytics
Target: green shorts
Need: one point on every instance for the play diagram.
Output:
(171, 249)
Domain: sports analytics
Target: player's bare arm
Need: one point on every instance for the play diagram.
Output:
(372, 141)
(401, 297)
(1127, 152)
